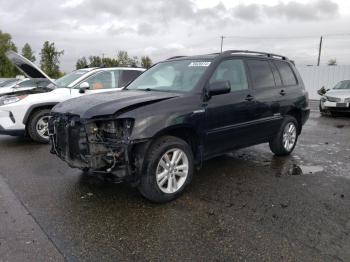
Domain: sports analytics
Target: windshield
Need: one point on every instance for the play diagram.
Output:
(66, 80)
(181, 75)
(343, 85)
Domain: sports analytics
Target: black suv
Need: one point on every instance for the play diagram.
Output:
(179, 113)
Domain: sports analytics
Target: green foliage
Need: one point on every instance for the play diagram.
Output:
(146, 62)
(27, 52)
(109, 62)
(81, 63)
(7, 69)
(122, 59)
(49, 61)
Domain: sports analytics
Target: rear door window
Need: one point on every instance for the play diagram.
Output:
(288, 77)
(276, 74)
(261, 74)
(233, 71)
(128, 76)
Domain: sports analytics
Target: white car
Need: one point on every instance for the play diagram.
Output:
(27, 112)
(336, 99)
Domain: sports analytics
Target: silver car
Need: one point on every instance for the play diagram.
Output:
(336, 99)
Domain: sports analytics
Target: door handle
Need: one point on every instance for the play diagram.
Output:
(249, 98)
(282, 93)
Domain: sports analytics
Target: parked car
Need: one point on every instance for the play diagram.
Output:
(26, 112)
(179, 113)
(24, 84)
(335, 100)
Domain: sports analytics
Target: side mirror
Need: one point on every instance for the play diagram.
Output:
(322, 91)
(83, 86)
(218, 88)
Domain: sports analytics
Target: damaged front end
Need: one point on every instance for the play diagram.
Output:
(101, 145)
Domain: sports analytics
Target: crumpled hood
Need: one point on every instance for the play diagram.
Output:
(340, 93)
(109, 103)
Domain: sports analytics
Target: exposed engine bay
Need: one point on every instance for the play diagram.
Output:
(100, 145)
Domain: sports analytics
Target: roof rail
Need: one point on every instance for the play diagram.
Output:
(253, 52)
(173, 57)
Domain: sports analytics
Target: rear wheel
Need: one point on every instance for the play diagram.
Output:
(168, 169)
(37, 126)
(285, 140)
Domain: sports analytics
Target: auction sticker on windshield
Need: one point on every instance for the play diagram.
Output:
(205, 64)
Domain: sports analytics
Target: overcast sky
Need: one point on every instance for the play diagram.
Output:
(164, 28)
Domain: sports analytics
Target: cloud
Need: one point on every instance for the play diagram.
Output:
(161, 27)
(303, 11)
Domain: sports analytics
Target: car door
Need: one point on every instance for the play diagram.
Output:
(290, 89)
(228, 115)
(263, 79)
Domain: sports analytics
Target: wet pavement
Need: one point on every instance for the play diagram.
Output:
(246, 205)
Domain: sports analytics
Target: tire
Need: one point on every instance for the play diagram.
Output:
(322, 111)
(152, 189)
(32, 126)
(277, 145)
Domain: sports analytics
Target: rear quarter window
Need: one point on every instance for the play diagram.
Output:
(286, 72)
(261, 74)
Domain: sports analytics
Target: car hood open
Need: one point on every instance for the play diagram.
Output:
(25, 66)
(109, 103)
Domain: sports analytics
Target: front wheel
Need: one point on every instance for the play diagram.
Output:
(168, 169)
(285, 140)
(37, 126)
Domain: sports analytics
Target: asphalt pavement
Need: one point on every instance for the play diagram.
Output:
(247, 205)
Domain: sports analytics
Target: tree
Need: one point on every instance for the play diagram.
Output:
(81, 63)
(27, 52)
(332, 62)
(146, 62)
(123, 58)
(134, 61)
(7, 69)
(95, 61)
(109, 62)
(49, 61)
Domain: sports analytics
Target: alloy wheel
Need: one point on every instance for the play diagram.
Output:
(42, 127)
(172, 170)
(289, 136)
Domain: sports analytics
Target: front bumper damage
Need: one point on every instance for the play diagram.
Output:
(102, 146)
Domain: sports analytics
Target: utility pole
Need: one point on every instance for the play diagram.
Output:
(222, 42)
(319, 52)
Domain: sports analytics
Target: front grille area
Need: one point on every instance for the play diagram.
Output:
(68, 138)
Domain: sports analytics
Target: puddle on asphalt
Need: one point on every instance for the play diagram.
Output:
(298, 170)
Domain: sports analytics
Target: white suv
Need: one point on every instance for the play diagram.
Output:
(27, 111)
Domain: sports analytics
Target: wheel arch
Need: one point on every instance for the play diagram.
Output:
(296, 113)
(35, 108)
(186, 133)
